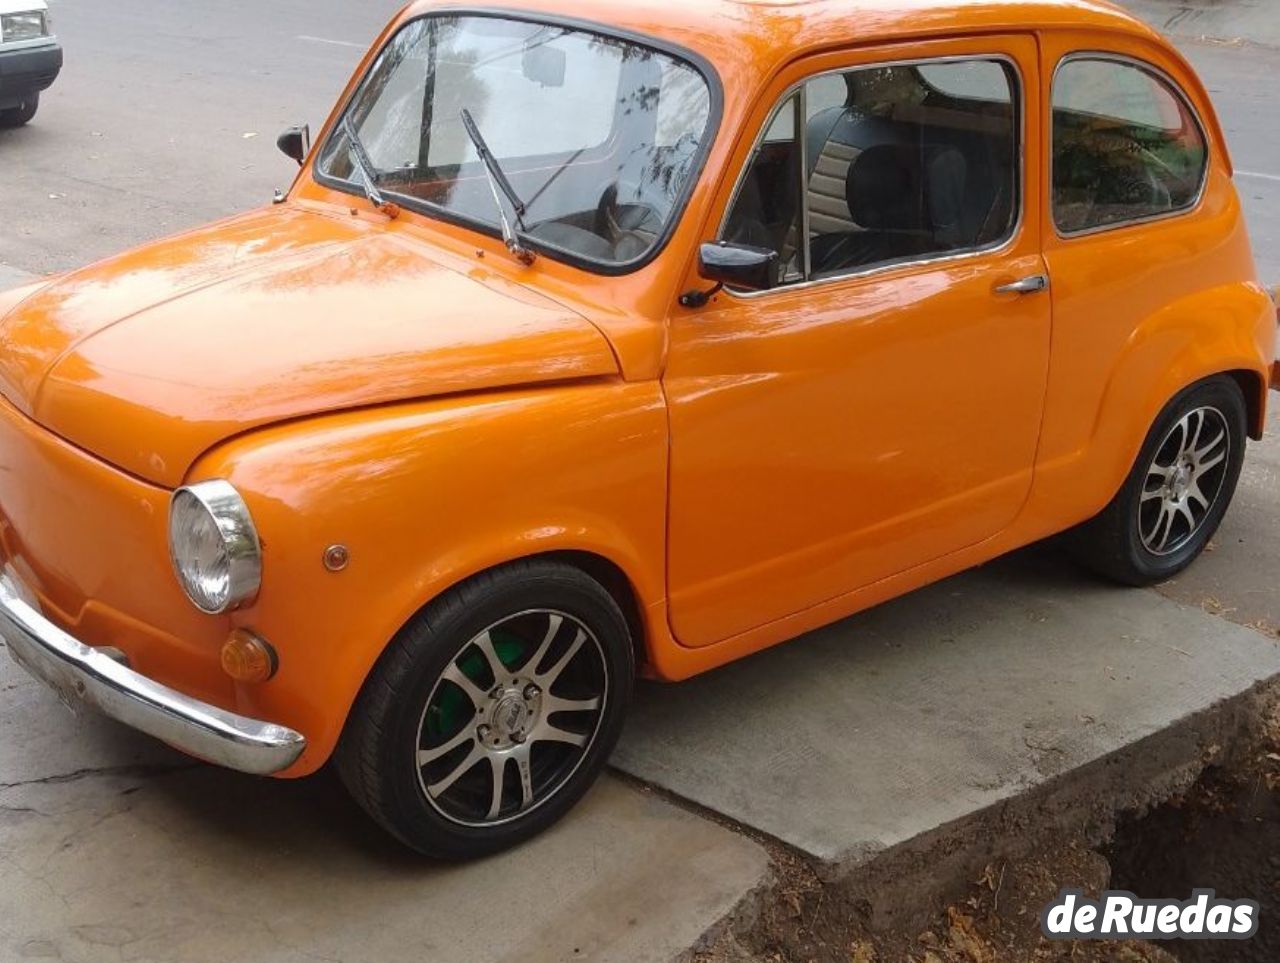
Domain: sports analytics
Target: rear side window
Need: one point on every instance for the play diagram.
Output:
(1126, 145)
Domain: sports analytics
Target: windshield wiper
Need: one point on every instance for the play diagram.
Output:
(365, 170)
(513, 238)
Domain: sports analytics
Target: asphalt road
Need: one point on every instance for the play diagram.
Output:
(1242, 82)
(164, 119)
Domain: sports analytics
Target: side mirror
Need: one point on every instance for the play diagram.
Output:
(739, 265)
(544, 65)
(296, 143)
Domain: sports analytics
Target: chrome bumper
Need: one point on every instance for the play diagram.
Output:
(82, 674)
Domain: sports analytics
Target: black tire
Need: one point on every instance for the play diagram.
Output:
(22, 114)
(1120, 542)
(379, 755)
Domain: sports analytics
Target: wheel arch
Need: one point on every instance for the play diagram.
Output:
(424, 497)
(1246, 379)
(614, 579)
(1254, 387)
(1222, 331)
(605, 570)
(1096, 424)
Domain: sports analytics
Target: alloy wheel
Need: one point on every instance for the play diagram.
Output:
(1184, 481)
(511, 718)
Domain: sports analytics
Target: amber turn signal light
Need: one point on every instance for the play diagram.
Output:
(248, 658)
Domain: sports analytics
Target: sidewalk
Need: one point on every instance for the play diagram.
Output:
(928, 709)
(114, 847)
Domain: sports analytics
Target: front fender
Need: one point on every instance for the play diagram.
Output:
(423, 496)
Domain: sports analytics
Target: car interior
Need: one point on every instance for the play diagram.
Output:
(608, 202)
(1125, 146)
(897, 170)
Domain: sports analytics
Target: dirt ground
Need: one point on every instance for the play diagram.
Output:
(1222, 833)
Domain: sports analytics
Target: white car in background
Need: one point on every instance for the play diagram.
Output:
(30, 58)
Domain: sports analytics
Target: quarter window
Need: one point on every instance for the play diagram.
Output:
(766, 212)
(1125, 146)
(882, 165)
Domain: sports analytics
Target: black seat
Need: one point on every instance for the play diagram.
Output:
(835, 138)
(901, 169)
(908, 201)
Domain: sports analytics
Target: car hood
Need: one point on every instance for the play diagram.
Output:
(149, 359)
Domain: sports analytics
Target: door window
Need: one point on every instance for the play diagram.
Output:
(890, 164)
(1126, 146)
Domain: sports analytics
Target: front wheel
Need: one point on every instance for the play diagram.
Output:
(22, 114)
(1178, 491)
(492, 712)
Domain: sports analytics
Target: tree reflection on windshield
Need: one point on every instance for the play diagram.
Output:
(598, 135)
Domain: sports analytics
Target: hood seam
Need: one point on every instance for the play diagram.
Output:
(319, 252)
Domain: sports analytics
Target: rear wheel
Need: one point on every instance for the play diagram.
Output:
(492, 712)
(22, 114)
(1178, 491)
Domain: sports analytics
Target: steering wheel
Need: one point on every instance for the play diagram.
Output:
(1157, 195)
(1160, 196)
(619, 225)
(1141, 189)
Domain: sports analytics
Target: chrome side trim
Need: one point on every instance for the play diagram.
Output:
(802, 137)
(995, 247)
(81, 674)
(1176, 89)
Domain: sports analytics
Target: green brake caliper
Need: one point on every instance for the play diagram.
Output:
(451, 709)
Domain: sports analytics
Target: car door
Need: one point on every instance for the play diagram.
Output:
(881, 406)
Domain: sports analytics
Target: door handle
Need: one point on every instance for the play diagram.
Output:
(1029, 285)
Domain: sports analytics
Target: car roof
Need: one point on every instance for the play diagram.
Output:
(756, 36)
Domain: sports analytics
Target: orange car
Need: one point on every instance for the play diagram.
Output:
(635, 342)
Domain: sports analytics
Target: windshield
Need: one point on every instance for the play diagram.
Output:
(597, 137)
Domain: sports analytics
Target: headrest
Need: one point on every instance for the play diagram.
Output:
(879, 91)
(897, 187)
(946, 180)
(883, 189)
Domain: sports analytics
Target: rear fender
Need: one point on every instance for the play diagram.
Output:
(1218, 330)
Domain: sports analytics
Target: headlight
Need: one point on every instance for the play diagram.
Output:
(214, 546)
(23, 26)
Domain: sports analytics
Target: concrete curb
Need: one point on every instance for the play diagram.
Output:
(966, 694)
(902, 887)
(1232, 21)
